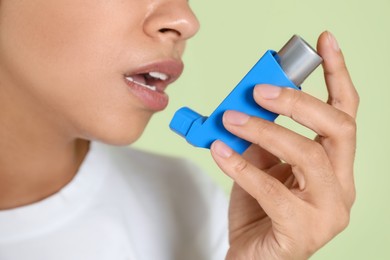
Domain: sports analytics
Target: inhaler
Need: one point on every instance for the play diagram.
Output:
(289, 67)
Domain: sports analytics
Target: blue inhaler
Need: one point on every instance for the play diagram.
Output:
(287, 68)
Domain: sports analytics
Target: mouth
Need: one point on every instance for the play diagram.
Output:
(148, 82)
(157, 76)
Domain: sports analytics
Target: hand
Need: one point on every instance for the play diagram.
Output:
(291, 194)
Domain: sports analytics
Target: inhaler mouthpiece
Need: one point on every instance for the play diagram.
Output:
(298, 59)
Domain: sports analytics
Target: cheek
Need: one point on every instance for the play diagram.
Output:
(69, 61)
(56, 40)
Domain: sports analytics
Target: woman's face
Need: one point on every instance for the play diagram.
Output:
(96, 68)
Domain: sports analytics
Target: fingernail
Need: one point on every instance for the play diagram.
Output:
(333, 42)
(222, 149)
(235, 117)
(267, 91)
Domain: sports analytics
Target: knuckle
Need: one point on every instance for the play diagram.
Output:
(343, 219)
(262, 131)
(240, 166)
(295, 101)
(334, 222)
(348, 126)
(270, 186)
(352, 197)
(334, 101)
(339, 216)
(355, 98)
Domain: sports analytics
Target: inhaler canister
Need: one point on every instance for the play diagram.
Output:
(287, 68)
(298, 59)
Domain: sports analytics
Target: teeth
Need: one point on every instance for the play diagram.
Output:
(158, 75)
(141, 84)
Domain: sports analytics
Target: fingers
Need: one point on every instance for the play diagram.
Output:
(333, 122)
(342, 93)
(304, 109)
(307, 158)
(337, 129)
(343, 96)
(260, 158)
(272, 195)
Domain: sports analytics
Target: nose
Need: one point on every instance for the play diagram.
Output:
(171, 19)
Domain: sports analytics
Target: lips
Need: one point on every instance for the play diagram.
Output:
(149, 82)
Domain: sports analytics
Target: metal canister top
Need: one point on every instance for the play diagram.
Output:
(298, 59)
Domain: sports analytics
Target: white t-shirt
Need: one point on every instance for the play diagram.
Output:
(122, 204)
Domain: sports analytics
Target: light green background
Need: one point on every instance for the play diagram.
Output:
(235, 34)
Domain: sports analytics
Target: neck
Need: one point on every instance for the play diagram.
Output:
(30, 172)
(37, 156)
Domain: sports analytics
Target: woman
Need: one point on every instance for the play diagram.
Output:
(75, 74)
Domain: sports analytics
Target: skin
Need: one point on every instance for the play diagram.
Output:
(62, 66)
(61, 85)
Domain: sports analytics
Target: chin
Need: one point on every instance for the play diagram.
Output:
(120, 140)
(119, 133)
